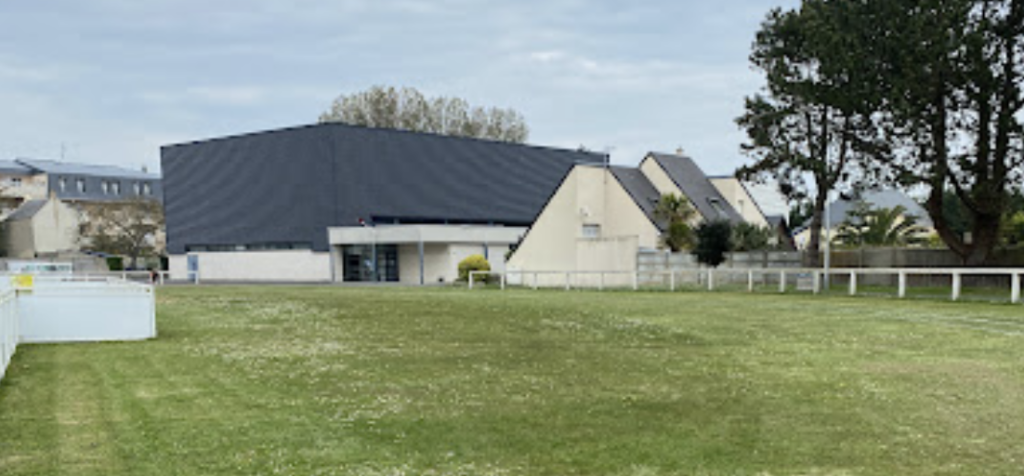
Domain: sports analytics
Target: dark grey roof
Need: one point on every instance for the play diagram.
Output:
(640, 188)
(53, 167)
(776, 221)
(695, 185)
(27, 210)
(290, 185)
(840, 209)
(10, 167)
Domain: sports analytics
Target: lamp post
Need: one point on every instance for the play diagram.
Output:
(828, 239)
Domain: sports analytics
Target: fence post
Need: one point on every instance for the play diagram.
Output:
(600, 281)
(535, 281)
(903, 285)
(471, 279)
(782, 282)
(711, 279)
(672, 281)
(502, 281)
(567, 284)
(1015, 288)
(636, 280)
(957, 282)
(815, 282)
(853, 283)
(750, 281)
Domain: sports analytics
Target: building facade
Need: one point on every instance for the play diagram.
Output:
(601, 217)
(333, 202)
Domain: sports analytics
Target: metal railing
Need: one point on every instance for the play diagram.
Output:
(813, 280)
(156, 278)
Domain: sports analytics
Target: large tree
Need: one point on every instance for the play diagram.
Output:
(813, 126)
(128, 228)
(408, 109)
(953, 73)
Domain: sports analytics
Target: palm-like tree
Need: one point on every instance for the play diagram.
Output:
(675, 212)
(868, 226)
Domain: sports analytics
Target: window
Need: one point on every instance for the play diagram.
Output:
(63, 184)
(137, 187)
(105, 187)
(15, 181)
(147, 189)
(717, 206)
(80, 185)
(591, 231)
(115, 188)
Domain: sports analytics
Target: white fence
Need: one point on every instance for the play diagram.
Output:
(758, 279)
(64, 308)
(8, 327)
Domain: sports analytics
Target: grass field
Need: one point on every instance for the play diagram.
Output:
(368, 381)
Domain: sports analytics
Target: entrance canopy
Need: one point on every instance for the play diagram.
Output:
(414, 234)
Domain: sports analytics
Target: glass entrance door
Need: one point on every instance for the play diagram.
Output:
(358, 262)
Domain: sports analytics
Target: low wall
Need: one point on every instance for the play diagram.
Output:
(8, 328)
(51, 309)
(55, 311)
(255, 266)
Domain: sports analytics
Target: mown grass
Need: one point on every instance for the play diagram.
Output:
(319, 381)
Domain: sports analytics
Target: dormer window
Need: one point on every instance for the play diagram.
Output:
(115, 188)
(80, 185)
(137, 188)
(716, 205)
(63, 184)
(147, 189)
(105, 187)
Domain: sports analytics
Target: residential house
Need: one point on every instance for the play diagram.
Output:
(839, 212)
(40, 196)
(602, 216)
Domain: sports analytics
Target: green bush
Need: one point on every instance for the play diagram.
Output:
(714, 240)
(473, 263)
(115, 263)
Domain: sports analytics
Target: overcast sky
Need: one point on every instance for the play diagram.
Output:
(112, 80)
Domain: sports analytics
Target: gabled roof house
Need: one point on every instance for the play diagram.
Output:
(601, 216)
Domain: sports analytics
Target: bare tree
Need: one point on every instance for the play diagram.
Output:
(407, 109)
(128, 227)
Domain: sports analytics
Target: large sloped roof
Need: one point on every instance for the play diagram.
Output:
(11, 167)
(640, 188)
(292, 184)
(68, 168)
(691, 180)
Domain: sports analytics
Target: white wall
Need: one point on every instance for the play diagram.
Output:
(55, 228)
(592, 196)
(85, 312)
(267, 266)
(737, 196)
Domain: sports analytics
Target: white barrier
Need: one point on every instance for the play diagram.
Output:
(709, 277)
(52, 309)
(71, 311)
(8, 328)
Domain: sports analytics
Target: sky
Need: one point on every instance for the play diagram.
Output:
(110, 81)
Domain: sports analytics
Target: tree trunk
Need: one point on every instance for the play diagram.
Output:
(817, 217)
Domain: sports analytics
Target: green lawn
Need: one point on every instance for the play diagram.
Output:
(368, 381)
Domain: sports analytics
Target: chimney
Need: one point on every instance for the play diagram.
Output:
(679, 151)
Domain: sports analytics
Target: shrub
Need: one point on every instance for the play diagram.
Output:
(714, 240)
(473, 263)
(115, 263)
